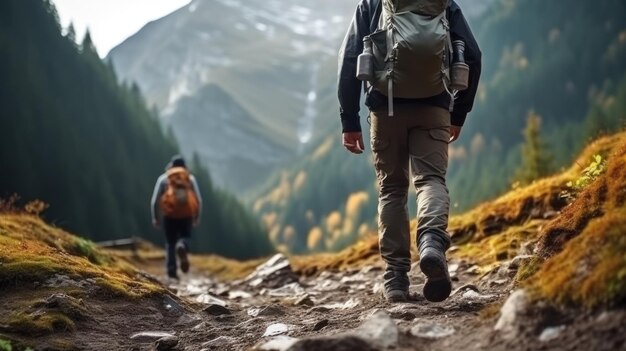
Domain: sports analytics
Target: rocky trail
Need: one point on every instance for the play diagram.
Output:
(274, 309)
(530, 271)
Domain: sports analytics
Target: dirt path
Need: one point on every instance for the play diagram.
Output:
(275, 309)
(332, 306)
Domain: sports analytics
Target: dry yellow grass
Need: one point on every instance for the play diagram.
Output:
(31, 250)
(585, 246)
(518, 206)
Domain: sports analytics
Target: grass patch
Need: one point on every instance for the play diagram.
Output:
(591, 270)
(530, 202)
(32, 251)
(40, 323)
(529, 269)
(584, 248)
(86, 248)
(5, 345)
(501, 247)
(359, 255)
(223, 268)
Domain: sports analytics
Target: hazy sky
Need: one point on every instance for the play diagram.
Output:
(112, 21)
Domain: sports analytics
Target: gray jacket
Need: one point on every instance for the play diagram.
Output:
(159, 189)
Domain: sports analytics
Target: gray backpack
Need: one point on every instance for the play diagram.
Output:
(410, 51)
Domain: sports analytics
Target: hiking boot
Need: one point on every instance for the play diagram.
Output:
(396, 286)
(181, 252)
(434, 265)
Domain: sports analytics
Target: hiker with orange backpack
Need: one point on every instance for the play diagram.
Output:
(176, 206)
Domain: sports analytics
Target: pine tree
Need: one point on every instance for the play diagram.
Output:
(87, 46)
(536, 159)
(70, 33)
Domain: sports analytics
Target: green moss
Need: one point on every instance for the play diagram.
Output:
(498, 247)
(591, 269)
(85, 248)
(5, 345)
(27, 271)
(585, 245)
(40, 323)
(33, 251)
(529, 269)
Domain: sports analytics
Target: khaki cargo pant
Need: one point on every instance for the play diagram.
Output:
(417, 135)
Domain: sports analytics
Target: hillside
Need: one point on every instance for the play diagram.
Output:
(559, 61)
(74, 138)
(60, 292)
(531, 270)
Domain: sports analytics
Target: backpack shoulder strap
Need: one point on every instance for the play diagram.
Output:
(377, 7)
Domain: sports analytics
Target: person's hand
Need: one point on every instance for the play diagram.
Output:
(156, 224)
(353, 142)
(455, 132)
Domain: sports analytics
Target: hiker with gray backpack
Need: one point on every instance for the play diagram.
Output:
(419, 65)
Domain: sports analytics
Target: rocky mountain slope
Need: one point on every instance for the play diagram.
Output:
(531, 270)
(273, 58)
(276, 61)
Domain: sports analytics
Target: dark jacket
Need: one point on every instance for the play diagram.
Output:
(364, 23)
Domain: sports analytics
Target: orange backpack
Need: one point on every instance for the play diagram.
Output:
(179, 200)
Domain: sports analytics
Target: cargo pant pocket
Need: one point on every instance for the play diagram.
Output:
(429, 153)
(380, 147)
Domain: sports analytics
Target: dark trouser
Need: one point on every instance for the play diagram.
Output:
(175, 230)
(416, 137)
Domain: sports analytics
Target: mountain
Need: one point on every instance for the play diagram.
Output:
(74, 138)
(274, 59)
(228, 125)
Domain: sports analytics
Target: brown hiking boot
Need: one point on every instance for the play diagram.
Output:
(181, 251)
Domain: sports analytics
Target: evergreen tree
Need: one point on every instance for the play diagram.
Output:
(70, 33)
(73, 137)
(87, 45)
(536, 159)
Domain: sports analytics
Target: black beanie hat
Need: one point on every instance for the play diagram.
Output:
(177, 161)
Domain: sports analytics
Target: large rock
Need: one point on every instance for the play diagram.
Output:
(167, 343)
(216, 310)
(378, 332)
(276, 329)
(379, 329)
(510, 314)
(279, 343)
(274, 273)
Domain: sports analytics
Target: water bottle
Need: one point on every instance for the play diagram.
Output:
(459, 71)
(365, 62)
